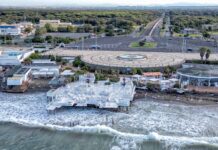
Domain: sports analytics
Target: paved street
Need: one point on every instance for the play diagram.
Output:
(165, 43)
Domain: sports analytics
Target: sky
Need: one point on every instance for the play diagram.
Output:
(103, 2)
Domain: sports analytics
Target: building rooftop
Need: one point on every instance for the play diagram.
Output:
(200, 71)
(22, 71)
(152, 74)
(7, 26)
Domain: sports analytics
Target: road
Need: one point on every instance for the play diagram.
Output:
(119, 42)
(151, 32)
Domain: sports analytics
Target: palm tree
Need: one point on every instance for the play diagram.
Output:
(202, 51)
(208, 52)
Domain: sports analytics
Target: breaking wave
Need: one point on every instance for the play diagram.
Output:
(128, 141)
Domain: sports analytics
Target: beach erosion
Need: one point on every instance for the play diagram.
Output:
(174, 124)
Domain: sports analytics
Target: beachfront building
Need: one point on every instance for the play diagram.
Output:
(10, 30)
(152, 75)
(154, 78)
(84, 93)
(13, 58)
(44, 68)
(199, 78)
(16, 79)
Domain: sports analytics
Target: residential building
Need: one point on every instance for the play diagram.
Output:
(210, 27)
(54, 23)
(190, 31)
(10, 30)
(14, 58)
(44, 68)
(16, 79)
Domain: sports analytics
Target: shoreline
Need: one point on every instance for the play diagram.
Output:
(145, 114)
(188, 99)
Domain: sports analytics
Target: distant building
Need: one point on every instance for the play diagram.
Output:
(54, 23)
(190, 31)
(10, 30)
(210, 27)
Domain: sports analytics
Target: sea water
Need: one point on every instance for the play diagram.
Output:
(148, 125)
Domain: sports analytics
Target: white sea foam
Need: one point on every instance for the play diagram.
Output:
(127, 140)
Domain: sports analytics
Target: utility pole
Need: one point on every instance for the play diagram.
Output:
(96, 39)
(82, 43)
(184, 44)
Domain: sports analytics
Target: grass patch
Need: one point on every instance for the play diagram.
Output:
(213, 32)
(190, 35)
(162, 32)
(146, 45)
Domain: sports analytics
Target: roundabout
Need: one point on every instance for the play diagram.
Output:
(126, 59)
(132, 60)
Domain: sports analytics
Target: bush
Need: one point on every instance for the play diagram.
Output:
(100, 77)
(80, 72)
(78, 62)
(86, 68)
(114, 79)
(58, 58)
(38, 39)
(153, 87)
(35, 56)
(141, 43)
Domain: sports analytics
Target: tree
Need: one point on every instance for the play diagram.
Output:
(49, 38)
(49, 28)
(141, 43)
(40, 31)
(28, 30)
(70, 29)
(206, 34)
(202, 51)
(62, 29)
(208, 52)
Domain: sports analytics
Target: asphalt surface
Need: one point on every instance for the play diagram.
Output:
(151, 32)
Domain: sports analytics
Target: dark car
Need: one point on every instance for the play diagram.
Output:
(189, 50)
(95, 47)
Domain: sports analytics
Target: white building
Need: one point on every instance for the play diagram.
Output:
(13, 57)
(43, 61)
(44, 68)
(210, 26)
(19, 77)
(54, 23)
(10, 30)
(190, 31)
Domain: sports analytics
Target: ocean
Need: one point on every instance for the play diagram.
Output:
(148, 125)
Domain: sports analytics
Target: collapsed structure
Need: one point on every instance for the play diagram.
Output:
(86, 93)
